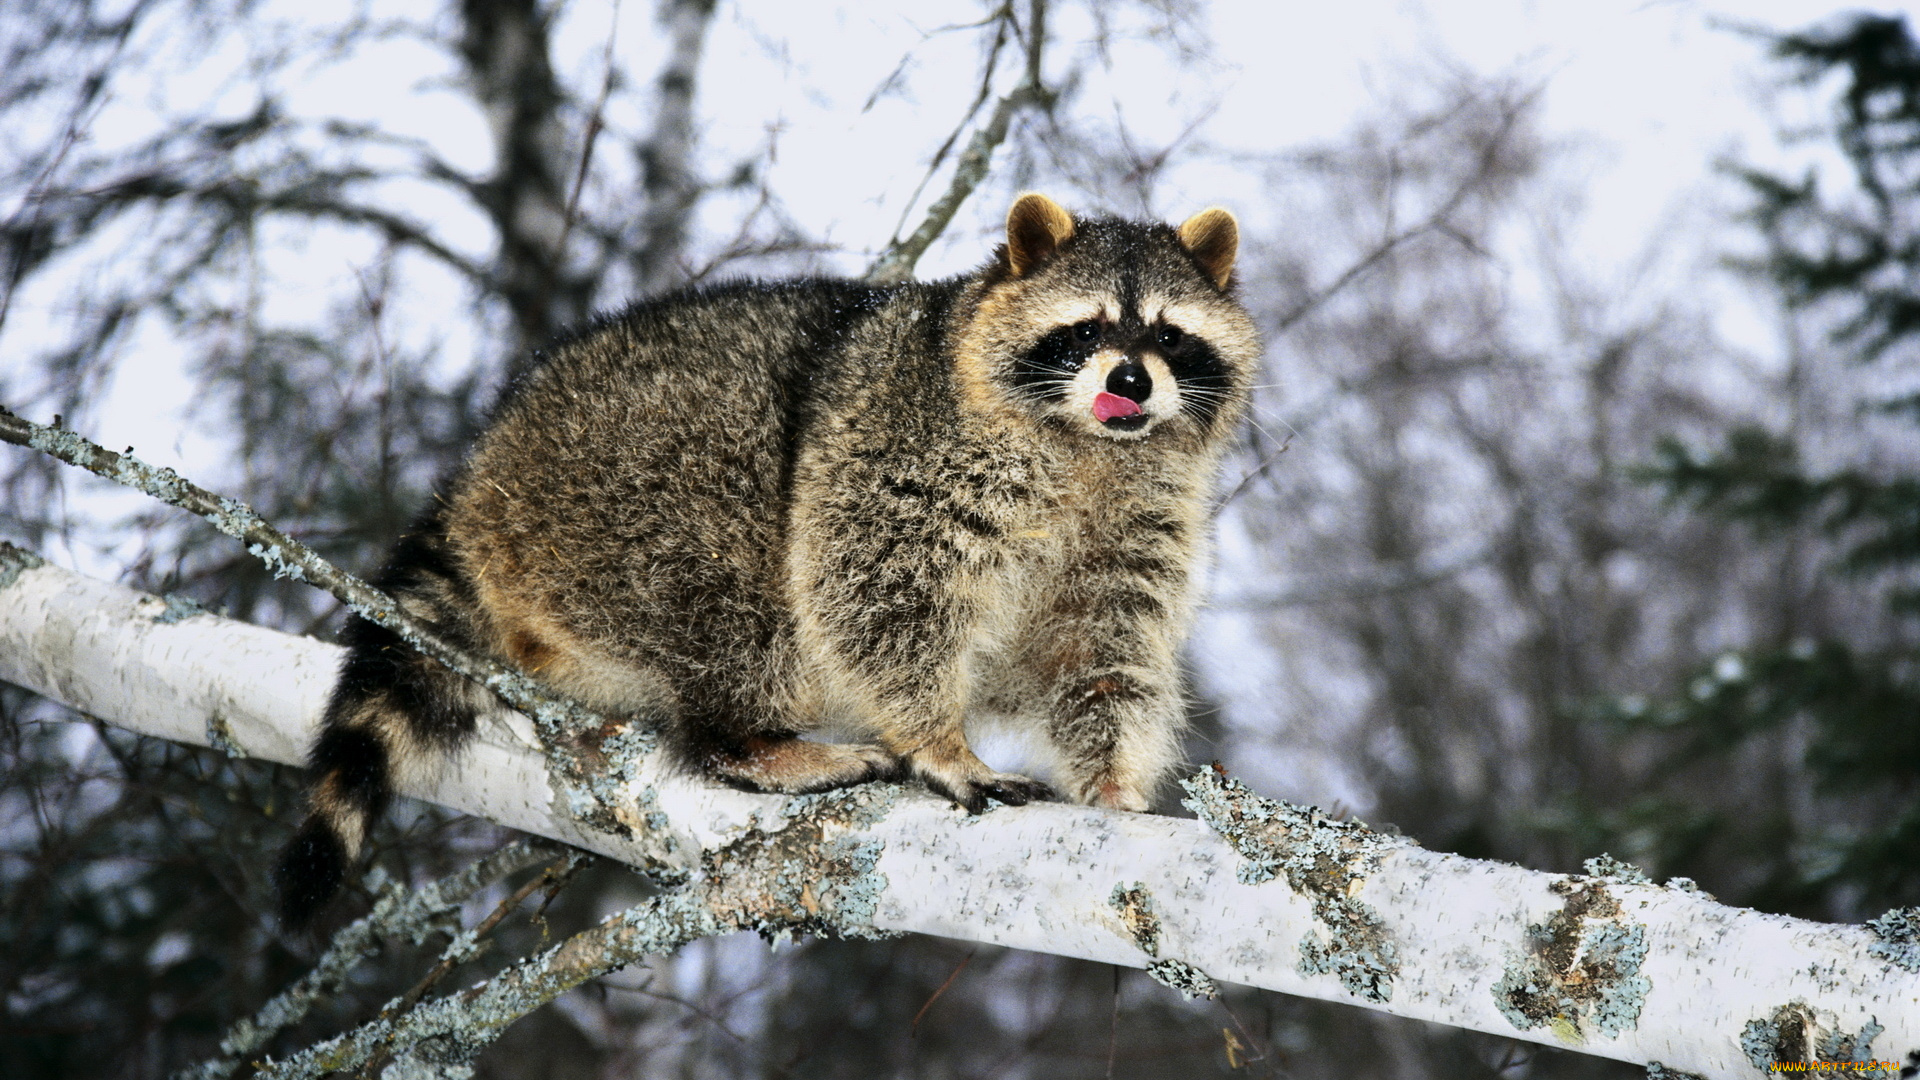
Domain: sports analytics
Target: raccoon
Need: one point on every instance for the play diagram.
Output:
(746, 512)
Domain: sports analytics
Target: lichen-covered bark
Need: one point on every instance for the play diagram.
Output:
(1135, 906)
(1321, 858)
(1579, 972)
(799, 873)
(399, 912)
(1257, 892)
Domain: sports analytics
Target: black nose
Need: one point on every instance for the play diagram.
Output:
(1130, 381)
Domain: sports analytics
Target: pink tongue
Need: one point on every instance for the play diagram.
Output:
(1108, 406)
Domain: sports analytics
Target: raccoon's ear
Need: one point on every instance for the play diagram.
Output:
(1036, 226)
(1212, 237)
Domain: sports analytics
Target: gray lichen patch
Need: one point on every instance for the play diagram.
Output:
(1657, 1071)
(220, 736)
(1322, 859)
(178, 609)
(592, 767)
(1797, 1032)
(1358, 951)
(807, 874)
(1688, 885)
(1897, 938)
(1839, 1045)
(859, 807)
(1135, 907)
(1580, 974)
(15, 561)
(163, 484)
(277, 561)
(1612, 869)
(1184, 977)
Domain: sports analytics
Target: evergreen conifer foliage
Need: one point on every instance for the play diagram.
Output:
(1845, 266)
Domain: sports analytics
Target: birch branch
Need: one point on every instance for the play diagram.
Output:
(1256, 892)
(577, 741)
(282, 554)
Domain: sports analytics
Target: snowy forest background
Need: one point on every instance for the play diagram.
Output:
(1529, 561)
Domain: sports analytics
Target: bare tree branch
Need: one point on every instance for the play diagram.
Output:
(896, 264)
(668, 178)
(1440, 220)
(467, 945)
(800, 877)
(400, 912)
(504, 45)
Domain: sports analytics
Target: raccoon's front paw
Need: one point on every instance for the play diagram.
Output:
(971, 788)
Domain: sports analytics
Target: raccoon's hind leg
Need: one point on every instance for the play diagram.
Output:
(391, 710)
(782, 761)
(715, 734)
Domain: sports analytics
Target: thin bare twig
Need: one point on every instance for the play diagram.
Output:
(399, 912)
(468, 945)
(1418, 575)
(93, 98)
(1001, 19)
(1260, 1049)
(718, 1021)
(1113, 1027)
(913, 1029)
(1253, 474)
(596, 121)
(896, 264)
(1439, 221)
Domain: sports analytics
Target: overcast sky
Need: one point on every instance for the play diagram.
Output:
(1658, 88)
(1647, 93)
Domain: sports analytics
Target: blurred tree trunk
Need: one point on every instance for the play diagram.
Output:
(668, 178)
(504, 44)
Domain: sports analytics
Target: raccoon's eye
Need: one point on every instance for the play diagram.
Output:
(1088, 331)
(1170, 337)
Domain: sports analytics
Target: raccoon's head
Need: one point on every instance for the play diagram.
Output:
(1113, 329)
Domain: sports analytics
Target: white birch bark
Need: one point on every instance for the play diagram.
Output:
(1258, 892)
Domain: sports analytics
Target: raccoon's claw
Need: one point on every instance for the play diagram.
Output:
(1017, 790)
(1007, 788)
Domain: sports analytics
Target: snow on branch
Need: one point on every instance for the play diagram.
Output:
(1255, 892)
